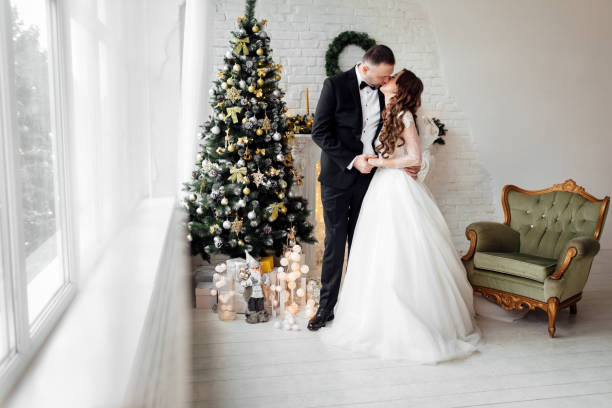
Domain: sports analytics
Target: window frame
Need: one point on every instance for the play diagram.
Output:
(24, 338)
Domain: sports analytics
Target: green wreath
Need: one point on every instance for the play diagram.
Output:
(343, 39)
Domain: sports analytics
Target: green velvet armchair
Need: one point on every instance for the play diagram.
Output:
(541, 255)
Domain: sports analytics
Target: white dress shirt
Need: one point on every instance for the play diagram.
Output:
(370, 108)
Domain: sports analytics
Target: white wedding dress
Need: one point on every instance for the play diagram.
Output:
(405, 293)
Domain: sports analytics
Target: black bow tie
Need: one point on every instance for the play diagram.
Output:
(363, 84)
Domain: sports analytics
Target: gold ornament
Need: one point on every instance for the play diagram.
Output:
(233, 94)
(242, 45)
(259, 132)
(247, 154)
(220, 74)
(259, 93)
(231, 148)
(212, 229)
(281, 195)
(260, 63)
(277, 77)
(220, 150)
(230, 81)
(236, 225)
(260, 151)
(240, 242)
(274, 171)
(242, 140)
(274, 209)
(260, 82)
(244, 120)
(238, 175)
(257, 178)
(261, 72)
(251, 88)
(265, 123)
(234, 110)
(255, 28)
(246, 191)
(288, 161)
(264, 21)
(260, 51)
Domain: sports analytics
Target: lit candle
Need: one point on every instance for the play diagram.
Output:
(307, 103)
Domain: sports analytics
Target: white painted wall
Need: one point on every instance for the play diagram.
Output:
(533, 77)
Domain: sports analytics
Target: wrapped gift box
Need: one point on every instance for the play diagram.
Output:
(204, 300)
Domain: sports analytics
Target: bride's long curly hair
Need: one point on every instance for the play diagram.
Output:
(407, 98)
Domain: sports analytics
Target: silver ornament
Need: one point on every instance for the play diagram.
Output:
(252, 215)
(228, 54)
(215, 130)
(242, 84)
(227, 224)
(224, 201)
(276, 93)
(276, 136)
(199, 210)
(236, 67)
(280, 157)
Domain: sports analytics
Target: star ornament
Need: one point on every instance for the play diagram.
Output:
(265, 124)
(257, 178)
(233, 94)
(236, 225)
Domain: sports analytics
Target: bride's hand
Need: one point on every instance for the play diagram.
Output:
(375, 161)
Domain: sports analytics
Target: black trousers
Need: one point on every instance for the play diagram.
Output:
(340, 211)
(256, 304)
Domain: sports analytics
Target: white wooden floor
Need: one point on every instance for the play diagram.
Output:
(236, 364)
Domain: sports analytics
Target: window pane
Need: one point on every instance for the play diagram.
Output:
(36, 153)
(4, 329)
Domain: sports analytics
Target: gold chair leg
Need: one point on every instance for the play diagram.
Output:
(573, 308)
(553, 306)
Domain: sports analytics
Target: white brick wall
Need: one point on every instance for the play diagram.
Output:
(300, 32)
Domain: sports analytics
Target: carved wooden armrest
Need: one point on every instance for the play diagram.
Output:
(581, 247)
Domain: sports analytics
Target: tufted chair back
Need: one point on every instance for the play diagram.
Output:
(547, 219)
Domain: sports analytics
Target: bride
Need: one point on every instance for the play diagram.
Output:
(405, 293)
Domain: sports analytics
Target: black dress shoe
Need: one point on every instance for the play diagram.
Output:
(319, 319)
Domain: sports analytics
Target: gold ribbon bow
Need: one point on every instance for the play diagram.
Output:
(233, 111)
(242, 45)
(242, 140)
(274, 209)
(262, 72)
(238, 174)
(262, 151)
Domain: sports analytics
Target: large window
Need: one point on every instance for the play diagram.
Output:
(35, 262)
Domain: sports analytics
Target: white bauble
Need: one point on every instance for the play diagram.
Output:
(227, 224)
(215, 129)
(241, 203)
(240, 163)
(300, 292)
(213, 292)
(296, 257)
(280, 157)
(221, 116)
(199, 210)
(226, 67)
(242, 84)
(276, 136)
(224, 85)
(276, 93)
(236, 67)
(304, 269)
(228, 54)
(284, 261)
(224, 201)
(280, 269)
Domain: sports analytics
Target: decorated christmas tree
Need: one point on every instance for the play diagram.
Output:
(240, 195)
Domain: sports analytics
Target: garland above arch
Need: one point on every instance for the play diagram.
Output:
(338, 44)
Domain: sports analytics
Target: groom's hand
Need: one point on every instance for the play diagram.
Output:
(412, 171)
(361, 163)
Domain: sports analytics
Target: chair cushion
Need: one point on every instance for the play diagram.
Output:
(514, 263)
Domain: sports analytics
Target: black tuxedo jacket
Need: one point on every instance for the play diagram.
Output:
(337, 128)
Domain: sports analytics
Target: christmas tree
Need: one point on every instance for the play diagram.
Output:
(240, 195)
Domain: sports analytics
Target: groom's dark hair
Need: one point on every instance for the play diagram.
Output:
(378, 54)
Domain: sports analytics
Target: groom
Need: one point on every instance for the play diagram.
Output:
(346, 124)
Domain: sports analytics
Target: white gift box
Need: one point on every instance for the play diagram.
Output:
(233, 269)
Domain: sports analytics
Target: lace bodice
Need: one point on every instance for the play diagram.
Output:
(407, 149)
